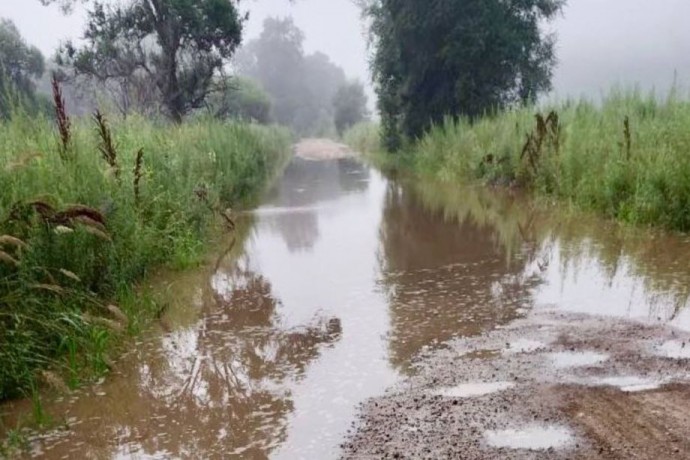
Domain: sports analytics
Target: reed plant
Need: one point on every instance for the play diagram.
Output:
(86, 214)
(627, 157)
(363, 137)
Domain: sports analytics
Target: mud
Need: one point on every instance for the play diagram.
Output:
(599, 389)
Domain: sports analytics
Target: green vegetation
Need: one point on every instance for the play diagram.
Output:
(174, 47)
(627, 159)
(88, 211)
(350, 106)
(240, 98)
(456, 58)
(457, 84)
(91, 206)
(301, 86)
(364, 137)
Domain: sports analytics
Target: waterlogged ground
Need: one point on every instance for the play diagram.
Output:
(361, 317)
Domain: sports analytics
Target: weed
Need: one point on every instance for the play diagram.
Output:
(106, 145)
(546, 135)
(14, 443)
(627, 136)
(138, 174)
(41, 418)
(63, 121)
(74, 244)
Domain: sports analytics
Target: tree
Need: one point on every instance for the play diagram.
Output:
(276, 61)
(456, 58)
(301, 87)
(177, 45)
(322, 80)
(350, 106)
(20, 65)
(242, 99)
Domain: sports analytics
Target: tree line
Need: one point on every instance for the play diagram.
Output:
(183, 57)
(430, 60)
(310, 93)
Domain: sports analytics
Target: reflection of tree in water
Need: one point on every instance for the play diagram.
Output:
(569, 243)
(444, 279)
(305, 185)
(218, 386)
(353, 176)
(299, 229)
(497, 249)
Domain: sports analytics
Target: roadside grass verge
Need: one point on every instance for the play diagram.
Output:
(87, 210)
(363, 137)
(627, 158)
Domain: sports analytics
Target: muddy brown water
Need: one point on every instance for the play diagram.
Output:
(336, 282)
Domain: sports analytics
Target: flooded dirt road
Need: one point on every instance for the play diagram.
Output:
(470, 324)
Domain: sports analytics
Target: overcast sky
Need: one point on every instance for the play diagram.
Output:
(600, 42)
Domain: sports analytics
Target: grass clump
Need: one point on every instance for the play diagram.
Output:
(87, 209)
(363, 137)
(627, 158)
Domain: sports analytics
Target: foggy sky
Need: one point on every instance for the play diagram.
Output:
(600, 42)
(626, 42)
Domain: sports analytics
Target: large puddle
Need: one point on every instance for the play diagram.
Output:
(340, 279)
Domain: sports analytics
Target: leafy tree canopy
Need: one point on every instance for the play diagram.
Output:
(301, 86)
(178, 45)
(350, 105)
(241, 98)
(456, 57)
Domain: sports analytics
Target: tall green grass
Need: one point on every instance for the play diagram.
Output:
(363, 137)
(81, 225)
(636, 171)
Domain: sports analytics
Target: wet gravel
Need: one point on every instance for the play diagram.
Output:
(582, 387)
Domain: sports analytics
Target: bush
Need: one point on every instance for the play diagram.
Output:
(242, 99)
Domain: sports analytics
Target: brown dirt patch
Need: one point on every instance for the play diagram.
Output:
(322, 149)
(606, 420)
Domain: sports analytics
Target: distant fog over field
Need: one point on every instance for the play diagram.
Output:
(600, 42)
(626, 42)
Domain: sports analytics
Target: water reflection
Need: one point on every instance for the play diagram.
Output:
(215, 389)
(583, 263)
(444, 278)
(248, 317)
(305, 185)
(337, 282)
(240, 370)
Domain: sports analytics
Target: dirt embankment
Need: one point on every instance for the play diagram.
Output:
(551, 386)
(322, 149)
